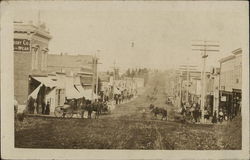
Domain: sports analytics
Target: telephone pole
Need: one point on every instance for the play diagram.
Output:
(94, 82)
(97, 72)
(114, 76)
(187, 68)
(204, 47)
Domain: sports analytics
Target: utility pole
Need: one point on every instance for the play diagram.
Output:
(93, 80)
(187, 95)
(39, 17)
(187, 68)
(97, 71)
(205, 48)
(96, 88)
(114, 76)
(94, 66)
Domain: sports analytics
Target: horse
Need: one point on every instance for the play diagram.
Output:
(84, 107)
(75, 106)
(158, 111)
(88, 107)
(96, 107)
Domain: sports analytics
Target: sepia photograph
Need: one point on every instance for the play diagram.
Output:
(120, 77)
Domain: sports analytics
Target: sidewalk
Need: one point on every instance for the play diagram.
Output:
(41, 115)
(111, 104)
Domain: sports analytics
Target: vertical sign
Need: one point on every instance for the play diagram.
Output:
(22, 45)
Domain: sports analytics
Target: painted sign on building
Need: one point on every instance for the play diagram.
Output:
(22, 45)
(86, 80)
(223, 98)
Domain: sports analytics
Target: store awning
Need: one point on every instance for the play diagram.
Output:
(35, 92)
(87, 93)
(71, 92)
(47, 81)
(117, 91)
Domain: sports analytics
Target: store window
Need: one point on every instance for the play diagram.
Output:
(44, 59)
(36, 58)
(34, 55)
(60, 97)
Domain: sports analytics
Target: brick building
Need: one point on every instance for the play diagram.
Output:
(42, 76)
(30, 56)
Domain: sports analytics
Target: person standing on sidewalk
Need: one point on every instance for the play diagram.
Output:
(36, 107)
(43, 107)
(116, 99)
(214, 120)
(221, 116)
(120, 98)
(206, 115)
(15, 107)
(47, 109)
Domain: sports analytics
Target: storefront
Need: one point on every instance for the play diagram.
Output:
(225, 102)
(236, 101)
(209, 104)
(40, 92)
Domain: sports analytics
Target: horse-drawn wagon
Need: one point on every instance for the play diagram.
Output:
(70, 108)
(79, 106)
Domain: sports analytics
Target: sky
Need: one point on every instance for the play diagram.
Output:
(140, 34)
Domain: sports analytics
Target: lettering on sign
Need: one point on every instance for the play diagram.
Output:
(223, 98)
(86, 80)
(22, 45)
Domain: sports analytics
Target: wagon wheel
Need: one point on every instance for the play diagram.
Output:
(189, 118)
(69, 114)
(58, 111)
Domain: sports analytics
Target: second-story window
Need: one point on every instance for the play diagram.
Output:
(34, 54)
(44, 59)
(36, 57)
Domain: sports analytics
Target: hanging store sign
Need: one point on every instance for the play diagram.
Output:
(22, 45)
(86, 80)
(223, 98)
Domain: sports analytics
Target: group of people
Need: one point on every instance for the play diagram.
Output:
(222, 115)
(193, 110)
(38, 108)
(119, 98)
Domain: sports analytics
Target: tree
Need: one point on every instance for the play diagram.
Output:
(133, 73)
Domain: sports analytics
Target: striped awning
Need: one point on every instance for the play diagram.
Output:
(47, 81)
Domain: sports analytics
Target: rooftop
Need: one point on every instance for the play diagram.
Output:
(30, 28)
(69, 61)
(235, 52)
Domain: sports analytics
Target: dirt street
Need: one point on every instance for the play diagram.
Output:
(129, 126)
